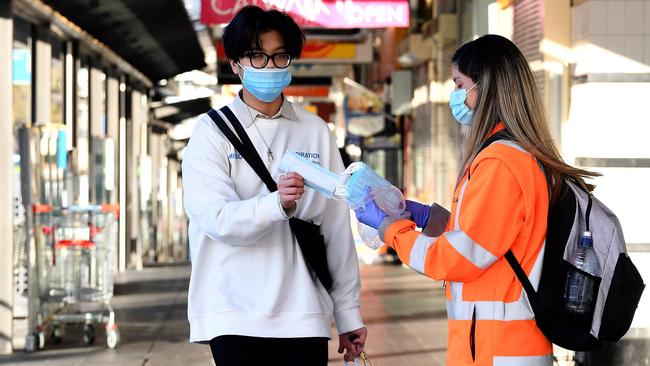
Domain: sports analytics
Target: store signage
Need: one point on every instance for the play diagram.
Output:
(315, 51)
(316, 70)
(318, 13)
(322, 49)
(307, 91)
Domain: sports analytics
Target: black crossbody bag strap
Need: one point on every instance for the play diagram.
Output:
(243, 146)
(307, 234)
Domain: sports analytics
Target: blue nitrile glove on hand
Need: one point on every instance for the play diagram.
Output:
(419, 212)
(370, 214)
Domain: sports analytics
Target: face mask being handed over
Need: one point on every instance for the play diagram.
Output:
(265, 84)
(463, 114)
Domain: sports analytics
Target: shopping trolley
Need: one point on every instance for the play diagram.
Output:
(76, 269)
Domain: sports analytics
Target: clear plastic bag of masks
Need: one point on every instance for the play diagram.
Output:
(356, 185)
(390, 200)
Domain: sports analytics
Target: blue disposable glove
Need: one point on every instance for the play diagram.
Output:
(419, 212)
(370, 214)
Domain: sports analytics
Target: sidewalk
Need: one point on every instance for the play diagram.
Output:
(404, 313)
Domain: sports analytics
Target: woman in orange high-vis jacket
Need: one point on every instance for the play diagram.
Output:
(500, 203)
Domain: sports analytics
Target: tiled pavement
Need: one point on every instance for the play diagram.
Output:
(404, 313)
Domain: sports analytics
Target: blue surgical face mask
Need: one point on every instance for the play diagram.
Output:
(265, 84)
(362, 179)
(463, 114)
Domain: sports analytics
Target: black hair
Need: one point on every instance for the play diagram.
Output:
(243, 33)
(474, 57)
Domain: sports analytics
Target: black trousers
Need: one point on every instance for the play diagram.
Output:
(234, 350)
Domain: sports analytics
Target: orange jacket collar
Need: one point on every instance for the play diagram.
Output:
(499, 127)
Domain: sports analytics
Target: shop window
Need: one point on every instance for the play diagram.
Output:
(101, 145)
(102, 104)
(58, 81)
(82, 134)
(22, 73)
(54, 134)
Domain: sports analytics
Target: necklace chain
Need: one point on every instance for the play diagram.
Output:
(269, 153)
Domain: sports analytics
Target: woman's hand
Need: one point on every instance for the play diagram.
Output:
(419, 212)
(291, 186)
(370, 214)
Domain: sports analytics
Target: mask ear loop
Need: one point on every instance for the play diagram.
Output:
(468, 90)
(241, 78)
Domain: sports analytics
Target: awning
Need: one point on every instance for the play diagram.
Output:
(155, 36)
(175, 113)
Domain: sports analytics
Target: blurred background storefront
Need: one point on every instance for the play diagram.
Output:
(98, 100)
(83, 125)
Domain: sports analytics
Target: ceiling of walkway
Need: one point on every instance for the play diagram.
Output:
(155, 36)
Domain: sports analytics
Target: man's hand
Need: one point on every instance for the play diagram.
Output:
(291, 187)
(352, 342)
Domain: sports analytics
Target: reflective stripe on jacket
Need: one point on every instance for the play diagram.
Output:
(503, 206)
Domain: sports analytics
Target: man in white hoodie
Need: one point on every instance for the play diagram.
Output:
(252, 297)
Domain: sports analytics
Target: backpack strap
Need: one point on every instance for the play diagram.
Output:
(521, 275)
(510, 257)
(501, 135)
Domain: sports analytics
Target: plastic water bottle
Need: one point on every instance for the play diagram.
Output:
(580, 288)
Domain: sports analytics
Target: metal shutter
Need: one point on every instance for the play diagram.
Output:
(528, 33)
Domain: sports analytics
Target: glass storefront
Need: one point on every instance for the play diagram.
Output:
(22, 73)
(82, 135)
(58, 139)
(70, 156)
(58, 81)
(101, 146)
(22, 189)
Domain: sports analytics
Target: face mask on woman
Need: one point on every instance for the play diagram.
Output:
(463, 114)
(265, 84)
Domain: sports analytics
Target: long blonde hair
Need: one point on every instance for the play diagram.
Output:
(507, 93)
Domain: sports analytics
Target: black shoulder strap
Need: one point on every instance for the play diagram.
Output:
(510, 256)
(236, 125)
(501, 135)
(243, 145)
(521, 275)
(307, 234)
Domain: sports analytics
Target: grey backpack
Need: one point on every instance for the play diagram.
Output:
(617, 292)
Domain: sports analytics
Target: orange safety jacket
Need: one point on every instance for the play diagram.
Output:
(503, 206)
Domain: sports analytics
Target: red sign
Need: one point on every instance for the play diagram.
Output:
(318, 13)
(307, 91)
